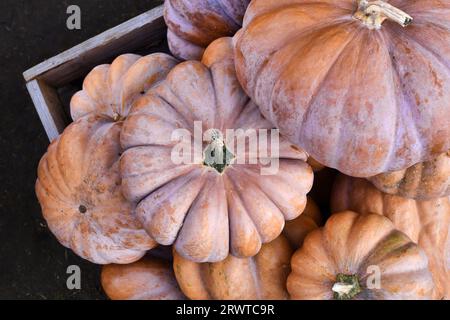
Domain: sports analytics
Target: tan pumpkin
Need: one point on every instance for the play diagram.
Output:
(296, 230)
(425, 222)
(79, 186)
(363, 86)
(262, 277)
(146, 279)
(423, 181)
(359, 257)
(205, 209)
(110, 90)
(193, 25)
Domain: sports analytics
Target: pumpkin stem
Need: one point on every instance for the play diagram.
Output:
(117, 117)
(346, 287)
(373, 13)
(217, 155)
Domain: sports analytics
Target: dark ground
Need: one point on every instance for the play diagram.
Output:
(32, 263)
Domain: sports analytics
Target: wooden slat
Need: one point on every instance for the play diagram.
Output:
(146, 29)
(49, 108)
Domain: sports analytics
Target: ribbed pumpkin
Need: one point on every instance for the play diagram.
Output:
(79, 190)
(423, 181)
(363, 86)
(193, 25)
(425, 222)
(343, 260)
(79, 186)
(204, 209)
(110, 90)
(146, 279)
(262, 277)
(296, 230)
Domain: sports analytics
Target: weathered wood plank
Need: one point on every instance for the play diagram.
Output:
(49, 108)
(146, 29)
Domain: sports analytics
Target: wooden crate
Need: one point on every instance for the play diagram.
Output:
(142, 34)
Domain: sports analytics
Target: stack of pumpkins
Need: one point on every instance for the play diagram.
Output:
(361, 86)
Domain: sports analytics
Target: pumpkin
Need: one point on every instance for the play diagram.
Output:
(193, 25)
(423, 181)
(79, 185)
(110, 90)
(296, 230)
(146, 279)
(208, 208)
(262, 277)
(359, 257)
(425, 222)
(363, 86)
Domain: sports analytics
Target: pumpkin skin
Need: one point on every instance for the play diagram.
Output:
(79, 186)
(110, 90)
(389, 113)
(79, 190)
(193, 25)
(296, 230)
(204, 213)
(427, 223)
(146, 279)
(345, 249)
(423, 181)
(262, 277)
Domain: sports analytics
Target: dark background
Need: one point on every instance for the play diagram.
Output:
(32, 263)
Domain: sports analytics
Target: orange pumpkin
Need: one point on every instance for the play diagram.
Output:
(205, 209)
(193, 25)
(362, 85)
(79, 186)
(423, 181)
(359, 257)
(425, 222)
(110, 90)
(296, 230)
(146, 279)
(262, 277)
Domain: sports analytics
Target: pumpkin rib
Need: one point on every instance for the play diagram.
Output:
(260, 185)
(373, 257)
(283, 46)
(187, 241)
(54, 171)
(254, 271)
(255, 185)
(309, 109)
(273, 49)
(395, 77)
(424, 48)
(413, 109)
(406, 98)
(193, 35)
(287, 69)
(421, 48)
(215, 98)
(265, 238)
(347, 107)
(172, 91)
(61, 197)
(224, 10)
(240, 218)
(277, 7)
(143, 214)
